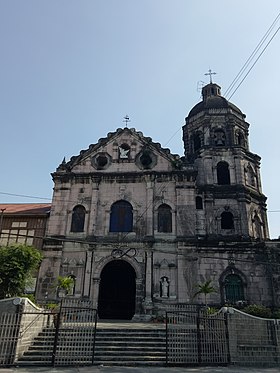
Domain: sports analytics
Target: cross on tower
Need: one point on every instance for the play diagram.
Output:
(126, 120)
(210, 73)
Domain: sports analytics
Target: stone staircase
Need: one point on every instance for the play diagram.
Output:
(118, 344)
(131, 347)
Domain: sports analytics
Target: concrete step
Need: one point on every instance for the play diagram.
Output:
(113, 346)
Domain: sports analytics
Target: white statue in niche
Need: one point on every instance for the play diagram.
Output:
(123, 152)
(164, 287)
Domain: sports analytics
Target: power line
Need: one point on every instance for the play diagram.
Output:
(75, 201)
(247, 63)
(238, 76)
(25, 196)
(253, 54)
(270, 40)
(110, 244)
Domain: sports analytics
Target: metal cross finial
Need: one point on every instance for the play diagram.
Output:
(126, 120)
(210, 73)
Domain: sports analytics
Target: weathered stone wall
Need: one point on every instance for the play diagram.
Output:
(253, 340)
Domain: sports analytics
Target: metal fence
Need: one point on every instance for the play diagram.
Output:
(9, 330)
(196, 338)
(75, 334)
(64, 337)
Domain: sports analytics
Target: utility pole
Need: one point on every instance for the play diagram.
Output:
(1, 220)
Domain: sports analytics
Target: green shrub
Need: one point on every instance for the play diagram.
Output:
(212, 310)
(52, 306)
(276, 314)
(258, 310)
(30, 297)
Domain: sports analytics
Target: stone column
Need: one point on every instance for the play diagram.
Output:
(148, 277)
(138, 300)
(95, 291)
(87, 276)
(150, 208)
(147, 303)
(181, 291)
(94, 206)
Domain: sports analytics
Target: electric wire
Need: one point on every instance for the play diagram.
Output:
(228, 91)
(110, 244)
(251, 57)
(248, 72)
(28, 196)
(247, 63)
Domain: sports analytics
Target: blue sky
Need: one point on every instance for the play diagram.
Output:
(71, 70)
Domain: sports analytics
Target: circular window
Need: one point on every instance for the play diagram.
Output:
(101, 161)
(146, 159)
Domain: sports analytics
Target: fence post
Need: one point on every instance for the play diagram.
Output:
(94, 336)
(166, 338)
(227, 336)
(198, 336)
(57, 324)
(275, 338)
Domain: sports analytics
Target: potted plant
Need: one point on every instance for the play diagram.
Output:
(64, 285)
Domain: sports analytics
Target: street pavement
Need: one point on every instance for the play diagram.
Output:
(107, 369)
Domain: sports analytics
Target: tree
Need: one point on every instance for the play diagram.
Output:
(17, 263)
(205, 288)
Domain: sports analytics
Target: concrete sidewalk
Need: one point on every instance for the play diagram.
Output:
(107, 369)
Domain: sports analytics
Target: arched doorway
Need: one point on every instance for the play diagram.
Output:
(117, 291)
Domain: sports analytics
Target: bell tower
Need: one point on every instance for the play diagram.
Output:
(215, 138)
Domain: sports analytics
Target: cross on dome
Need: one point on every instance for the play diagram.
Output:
(210, 73)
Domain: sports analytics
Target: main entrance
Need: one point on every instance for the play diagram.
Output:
(117, 291)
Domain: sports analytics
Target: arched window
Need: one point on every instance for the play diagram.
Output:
(121, 218)
(227, 221)
(240, 139)
(234, 288)
(164, 218)
(251, 176)
(198, 203)
(223, 176)
(196, 142)
(78, 219)
(257, 227)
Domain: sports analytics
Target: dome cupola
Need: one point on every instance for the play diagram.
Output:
(212, 99)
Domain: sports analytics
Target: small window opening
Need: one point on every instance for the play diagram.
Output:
(196, 142)
(227, 221)
(198, 203)
(223, 176)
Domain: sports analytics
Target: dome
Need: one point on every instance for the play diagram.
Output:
(212, 99)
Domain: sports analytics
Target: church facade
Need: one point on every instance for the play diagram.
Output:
(138, 228)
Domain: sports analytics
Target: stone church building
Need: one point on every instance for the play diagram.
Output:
(138, 228)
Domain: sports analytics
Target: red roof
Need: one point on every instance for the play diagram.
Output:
(25, 208)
